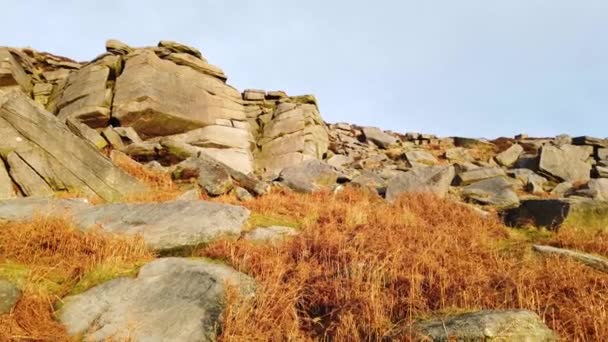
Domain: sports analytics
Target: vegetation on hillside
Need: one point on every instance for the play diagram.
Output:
(361, 268)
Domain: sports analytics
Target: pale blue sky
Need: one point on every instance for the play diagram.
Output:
(451, 67)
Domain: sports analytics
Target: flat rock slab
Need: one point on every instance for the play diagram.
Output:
(593, 261)
(488, 325)
(172, 299)
(163, 226)
(495, 191)
(432, 179)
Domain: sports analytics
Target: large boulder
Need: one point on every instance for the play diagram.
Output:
(171, 299)
(495, 191)
(566, 162)
(37, 141)
(194, 100)
(310, 176)
(509, 156)
(167, 225)
(474, 175)
(432, 179)
(163, 226)
(488, 325)
(378, 137)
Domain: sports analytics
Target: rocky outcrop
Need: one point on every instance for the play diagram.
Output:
(288, 134)
(498, 325)
(171, 299)
(44, 156)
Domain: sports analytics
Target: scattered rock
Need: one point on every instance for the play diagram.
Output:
(310, 176)
(420, 158)
(477, 174)
(171, 299)
(510, 155)
(378, 137)
(242, 194)
(566, 162)
(190, 195)
(495, 191)
(9, 295)
(499, 325)
(433, 179)
(593, 261)
(548, 213)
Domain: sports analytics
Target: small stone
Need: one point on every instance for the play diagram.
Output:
(242, 194)
(509, 156)
(254, 95)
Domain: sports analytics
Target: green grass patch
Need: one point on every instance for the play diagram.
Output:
(104, 272)
(261, 220)
(40, 279)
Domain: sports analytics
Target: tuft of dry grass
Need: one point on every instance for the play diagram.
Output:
(47, 257)
(363, 269)
(161, 186)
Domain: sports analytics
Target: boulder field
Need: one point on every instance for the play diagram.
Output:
(169, 109)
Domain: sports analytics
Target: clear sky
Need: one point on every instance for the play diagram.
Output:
(450, 67)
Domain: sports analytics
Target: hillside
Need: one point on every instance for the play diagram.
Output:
(144, 198)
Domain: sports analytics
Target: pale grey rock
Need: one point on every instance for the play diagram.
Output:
(495, 191)
(566, 163)
(113, 138)
(198, 65)
(488, 325)
(9, 295)
(12, 73)
(432, 179)
(171, 299)
(509, 156)
(532, 181)
(597, 262)
(19, 209)
(212, 177)
(128, 135)
(378, 137)
(598, 188)
(270, 234)
(310, 176)
(87, 133)
(471, 176)
(166, 225)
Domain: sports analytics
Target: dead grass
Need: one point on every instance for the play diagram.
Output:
(364, 270)
(161, 186)
(47, 257)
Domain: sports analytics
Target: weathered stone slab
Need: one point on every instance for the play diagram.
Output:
(495, 191)
(510, 155)
(566, 162)
(597, 262)
(432, 179)
(171, 299)
(22, 122)
(494, 325)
